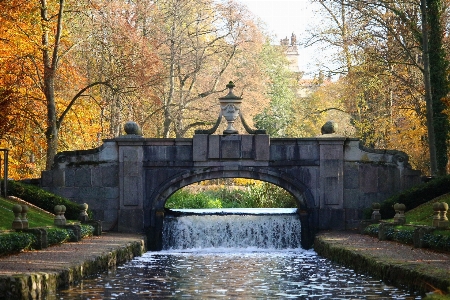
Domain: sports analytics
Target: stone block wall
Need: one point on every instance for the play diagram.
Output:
(90, 177)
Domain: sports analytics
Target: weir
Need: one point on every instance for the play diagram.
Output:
(232, 228)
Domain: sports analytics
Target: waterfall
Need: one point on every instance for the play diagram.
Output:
(236, 228)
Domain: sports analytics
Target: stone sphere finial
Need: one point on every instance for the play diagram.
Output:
(329, 127)
(131, 127)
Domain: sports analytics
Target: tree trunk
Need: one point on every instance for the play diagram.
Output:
(428, 96)
(50, 60)
(439, 82)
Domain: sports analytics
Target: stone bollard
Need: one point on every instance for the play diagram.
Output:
(376, 216)
(436, 214)
(24, 216)
(84, 217)
(399, 217)
(443, 220)
(17, 222)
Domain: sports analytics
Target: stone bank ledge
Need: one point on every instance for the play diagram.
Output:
(397, 264)
(38, 274)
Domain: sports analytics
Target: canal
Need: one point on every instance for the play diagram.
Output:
(233, 254)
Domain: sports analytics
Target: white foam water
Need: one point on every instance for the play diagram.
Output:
(246, 229)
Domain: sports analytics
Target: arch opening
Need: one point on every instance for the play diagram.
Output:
(231, 193)
(157, 200)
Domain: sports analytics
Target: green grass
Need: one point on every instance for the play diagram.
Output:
(258, 195)
(36, 218)
(423, 214)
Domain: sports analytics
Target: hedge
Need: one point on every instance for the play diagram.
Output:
(13, 242)
(43, 199)
(416, 196)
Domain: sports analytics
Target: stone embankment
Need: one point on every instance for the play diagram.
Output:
(38, 274)
(394, 263)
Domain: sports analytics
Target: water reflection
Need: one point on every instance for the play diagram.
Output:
(233, 274)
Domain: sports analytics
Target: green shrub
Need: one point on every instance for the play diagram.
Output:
(404, 236)
(261, 195)
(372, 230)
(14, 242)
(87, 230)
(437, 241)
(59, 235)
(184, 199)
(416, 196)
(43, 199)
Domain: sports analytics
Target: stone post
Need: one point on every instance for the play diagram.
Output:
(376, 216)
(443, 220)
(84, 217)
(59, 219)
(63, 211)
(17, 222)
(331, 181)
(399, 217)
(436, 215)
(24, 216)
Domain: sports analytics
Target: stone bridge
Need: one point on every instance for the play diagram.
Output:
(127, 180)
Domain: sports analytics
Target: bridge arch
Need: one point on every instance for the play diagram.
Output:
(155, 208)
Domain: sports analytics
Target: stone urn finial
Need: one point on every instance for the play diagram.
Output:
(329, 127)
(132, 128)
(230, 106)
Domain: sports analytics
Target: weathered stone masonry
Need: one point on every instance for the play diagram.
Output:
(127, 180)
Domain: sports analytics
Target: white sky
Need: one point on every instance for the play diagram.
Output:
(284, 17)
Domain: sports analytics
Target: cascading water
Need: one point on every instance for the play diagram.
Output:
(255, 228)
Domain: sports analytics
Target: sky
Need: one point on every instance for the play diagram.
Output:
(284, 17)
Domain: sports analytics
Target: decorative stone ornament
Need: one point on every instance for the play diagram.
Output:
(59, 215)
(436, 214)
(443, 220)
(330, 127)
(17, 222)
(24, 216)
(132, 128)
(399, 217)
(231, 107)
(376, 216)
(84, 217)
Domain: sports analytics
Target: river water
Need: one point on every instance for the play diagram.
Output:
(233, 255)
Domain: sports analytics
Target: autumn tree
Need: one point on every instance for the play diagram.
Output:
(199, 43)
(392, 40)
(281, 90)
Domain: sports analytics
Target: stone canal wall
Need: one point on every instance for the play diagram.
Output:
(39, 274)
(394, 263)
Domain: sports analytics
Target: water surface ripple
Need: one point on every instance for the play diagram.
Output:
(233, 274)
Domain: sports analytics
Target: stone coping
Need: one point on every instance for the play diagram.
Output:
(38, 274)
(394, 263)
